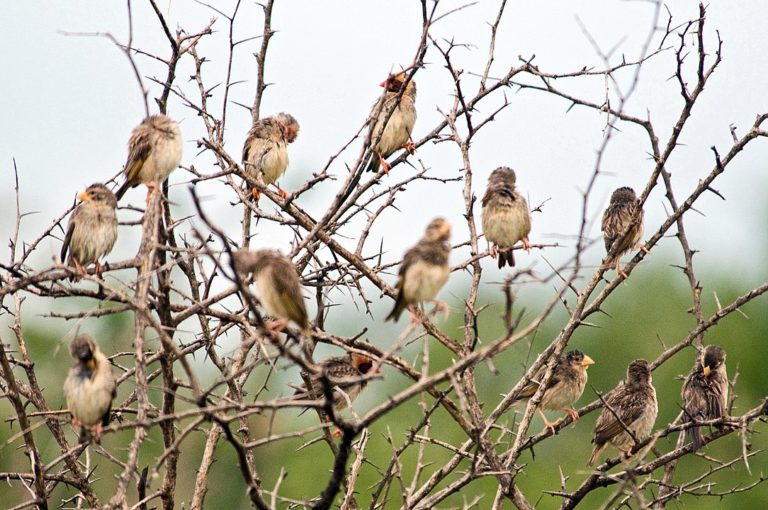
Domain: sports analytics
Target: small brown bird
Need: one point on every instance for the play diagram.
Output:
(89, 388)
(564, 388)
(279, 289)
(632, 407)
(622, 226)
(705, 391)
(506, 219)
(92, 229)
(396, 134)
(342, 372)
(425, 269)
(265, 153)
(154, 151)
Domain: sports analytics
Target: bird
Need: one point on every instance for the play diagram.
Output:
(705, 390)
(396, 134)
(425, 269)
(631, 406)
(91, 231)
(342, 373)
(565, 387)
(154, 151)
(506, 219)
(622, 226)
(279, 289)
(265, 152)
(89, 387)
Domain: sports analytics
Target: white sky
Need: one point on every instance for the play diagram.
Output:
(71, 102)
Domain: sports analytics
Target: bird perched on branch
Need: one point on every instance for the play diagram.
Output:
(92, 229)
(154, 151)
(342, 373)
(396, 134)
(89, 388)
(506, 219)
(265, 153)
(705, 391)
(565, 387)
(622, 226)
(629, 413)
(425, 269)
(279, 289)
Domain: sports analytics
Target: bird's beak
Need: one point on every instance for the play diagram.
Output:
(84, 196)
(707, 371)
(383, 84)
(587, 361)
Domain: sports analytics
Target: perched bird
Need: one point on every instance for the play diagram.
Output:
(506, 219)
(632, 407)
(425, 269)
(705, 391)
(279, 289)
(396, 134)
(342, 372)
(622, 226)
(92, 229)
(265, 153)
(89, 387)
(564, 388)
(154, 151)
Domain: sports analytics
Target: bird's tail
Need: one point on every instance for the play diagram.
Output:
(394, 315)
(506, 257)
(122, 189)
(595, 454)
(696, 438)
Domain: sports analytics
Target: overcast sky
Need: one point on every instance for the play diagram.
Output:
(70, 103)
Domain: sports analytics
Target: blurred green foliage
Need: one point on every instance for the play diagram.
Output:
(640, 319)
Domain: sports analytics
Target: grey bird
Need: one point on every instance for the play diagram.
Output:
(630, 407)
(265, 152)
(622, 226)
(425, 268)
(154, 151)
(278, 287)
(506, 219)
(342, 373)
(91, 231)
(396, 134)
(565, 387)
(705, 390)
(89, 388)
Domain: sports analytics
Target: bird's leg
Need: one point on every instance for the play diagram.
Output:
(79, 267)
(277, 324)
(281, 192)
(644, 248)
(415, 321)
(526, 244)
(549, 424)
(383, 162)
(99, 269)
(493, 251)
(256, 194)
(441, 307)
(96, 432)
(619, 270)
(410, 146)
(573, 414)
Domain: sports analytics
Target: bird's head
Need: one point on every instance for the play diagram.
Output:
(363, 363)
(439, 229)
(578, 359)
(712, 359)
(98, 193)
(288, 125)
(623, 195)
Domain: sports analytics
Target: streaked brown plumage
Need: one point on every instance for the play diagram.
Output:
(620, 232)
(630, 406)
(90, 387)
(154, 151)
(265, 152)
(564, 388)
(506, 219)
(279, 288)
(705, 391)
(425, 269)
(396, 134)
(92, 229)
(342, 372)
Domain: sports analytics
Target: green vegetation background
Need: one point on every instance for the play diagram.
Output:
(649, 311)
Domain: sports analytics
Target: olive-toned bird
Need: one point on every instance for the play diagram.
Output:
(425, 268)
(89, 388)
(154, 151)
(91, 231)
(506, 219)
(565, 387)
(705, 391)
(622, 226)
(279, 289)
(630, 407)
(265, 153)
(396, 134)
(342, 373)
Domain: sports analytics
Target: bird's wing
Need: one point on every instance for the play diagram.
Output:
(67, 238)
(628, 407)
(139, 148)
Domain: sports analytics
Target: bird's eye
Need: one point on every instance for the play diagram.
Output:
(364, 367)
